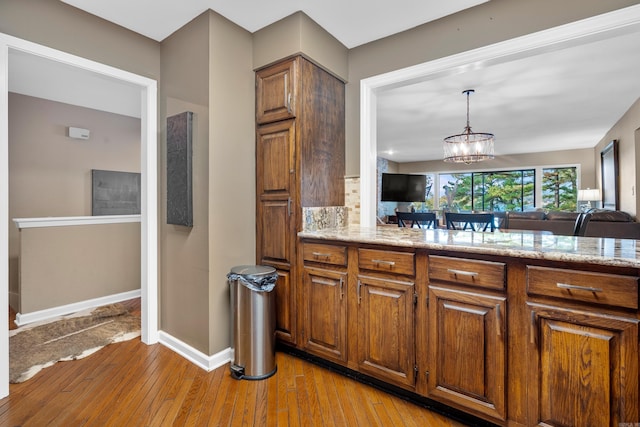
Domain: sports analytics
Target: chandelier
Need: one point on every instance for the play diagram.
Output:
(468, 147)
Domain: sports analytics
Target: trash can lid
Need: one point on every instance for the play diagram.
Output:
(253, 270)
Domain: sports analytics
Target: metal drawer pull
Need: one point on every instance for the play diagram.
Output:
(462, 272)
(320, 254)
(577, 288)
(532, 331)
(322, 282)
(381, 261)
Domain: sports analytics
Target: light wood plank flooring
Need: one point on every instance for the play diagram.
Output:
(132, 384)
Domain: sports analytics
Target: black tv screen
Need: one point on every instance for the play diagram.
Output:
(398, 187)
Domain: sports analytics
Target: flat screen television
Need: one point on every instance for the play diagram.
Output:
(398, 187)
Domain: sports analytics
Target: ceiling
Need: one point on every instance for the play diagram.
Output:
(563, 99)
(352, 22)
(559, 99)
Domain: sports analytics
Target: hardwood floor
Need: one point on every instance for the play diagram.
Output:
(132, 384)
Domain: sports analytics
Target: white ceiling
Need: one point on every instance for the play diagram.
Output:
(352, 22)
(563, 99)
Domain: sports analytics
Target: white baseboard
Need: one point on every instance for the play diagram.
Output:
(51, 313)
(208, 363)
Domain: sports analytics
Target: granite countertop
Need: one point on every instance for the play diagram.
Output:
(521, 244)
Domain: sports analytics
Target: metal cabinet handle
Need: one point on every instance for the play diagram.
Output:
(532, 329)
(498, 321)
(341, 288)
(382, 261)
(577, 288)
(289, 103)
(320, 255)
(289, 206)
(462, 272)
(322, 282)
(358, 290)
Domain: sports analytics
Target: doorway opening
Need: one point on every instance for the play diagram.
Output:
(149, 213)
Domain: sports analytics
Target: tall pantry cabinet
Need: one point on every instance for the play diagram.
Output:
(300, 137)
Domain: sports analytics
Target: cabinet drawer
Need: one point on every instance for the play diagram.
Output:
(328, 254)
(387, 261)
(486, 274)
(597, 288)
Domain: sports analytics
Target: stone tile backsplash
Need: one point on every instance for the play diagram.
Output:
(324, 217)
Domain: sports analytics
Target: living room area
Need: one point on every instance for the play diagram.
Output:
(561, 152)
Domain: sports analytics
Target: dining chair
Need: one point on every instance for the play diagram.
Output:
(419, 219)
(473, 221)
(580, 226)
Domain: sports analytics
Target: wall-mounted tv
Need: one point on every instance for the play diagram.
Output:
(398, 187)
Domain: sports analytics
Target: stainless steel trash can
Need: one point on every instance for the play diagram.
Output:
(253, 321)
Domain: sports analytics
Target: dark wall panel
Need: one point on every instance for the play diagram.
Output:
(179, 163)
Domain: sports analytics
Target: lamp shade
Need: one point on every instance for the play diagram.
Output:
(589, 195)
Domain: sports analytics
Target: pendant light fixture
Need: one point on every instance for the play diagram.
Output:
(468, 147)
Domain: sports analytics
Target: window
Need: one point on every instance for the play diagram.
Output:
(559, 189)
(488, 191)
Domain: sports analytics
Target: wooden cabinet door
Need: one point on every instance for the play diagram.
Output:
(275, 159)
(466, 356)
(276, 92)
(325, 325)
(583, 368)
(274, 238)
(386, 330)
(276, 220)
(285, 308)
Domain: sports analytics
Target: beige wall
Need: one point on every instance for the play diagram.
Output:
(63, 27)
(295, 34)
(65, 265)
(50, 173)
(625, 132)
(232, 167)
(184, 291)
(489, 23)
(207, 69)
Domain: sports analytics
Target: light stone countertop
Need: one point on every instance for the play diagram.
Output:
(520, 244)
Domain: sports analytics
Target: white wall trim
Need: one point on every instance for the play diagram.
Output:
(4, 216)
(66, 221)
(599, 27)
(52, 313)
(149, 185)
(208, 363)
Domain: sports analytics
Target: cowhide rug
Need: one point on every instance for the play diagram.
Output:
(37, 346)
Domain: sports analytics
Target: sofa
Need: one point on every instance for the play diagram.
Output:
(618, 224)
(600, 223)
(554, 221)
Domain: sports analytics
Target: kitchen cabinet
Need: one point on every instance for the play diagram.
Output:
(507, 336)
(300, 140)
(275, 242)
(386, 316)
(324, 301)
(467, 349)
(276, 92)
(583, 358)
(325, 326)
